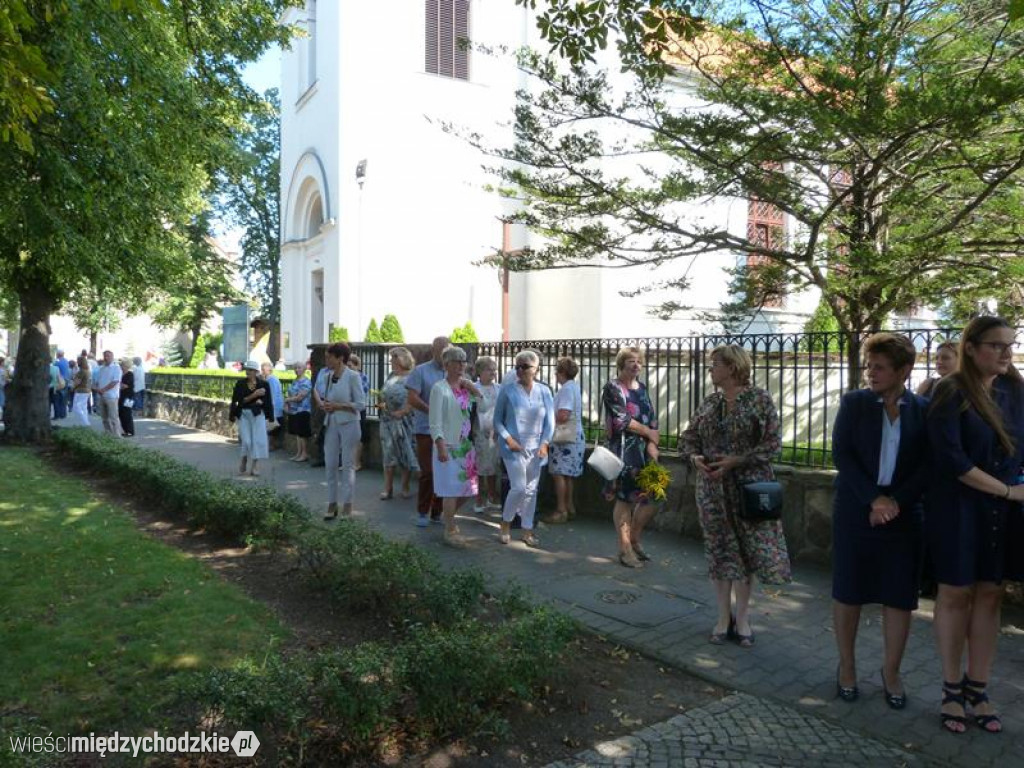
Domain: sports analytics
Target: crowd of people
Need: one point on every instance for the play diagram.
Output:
(929, 484)
(114, 389)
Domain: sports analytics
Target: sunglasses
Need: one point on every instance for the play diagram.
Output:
(523, 367)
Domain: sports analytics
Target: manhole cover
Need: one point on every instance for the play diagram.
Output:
(618, 597)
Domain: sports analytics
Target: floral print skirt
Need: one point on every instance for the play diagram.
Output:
(566, 459)
(736, 549)
(457, 477)
(488, 459)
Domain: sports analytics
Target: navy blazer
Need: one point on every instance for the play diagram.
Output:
(857, 449)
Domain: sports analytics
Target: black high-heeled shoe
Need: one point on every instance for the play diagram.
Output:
(849, 693)
(894, 700)
(953, 693)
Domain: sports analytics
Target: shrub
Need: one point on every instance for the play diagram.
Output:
(372, 332)
(337, 334)
(391, 331)
(464, 335)
(198, 353)
(240, 512)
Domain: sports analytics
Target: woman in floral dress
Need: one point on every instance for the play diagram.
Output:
(731, 441)
(567, 455)
(632, 428)
(397, 446)
(454, 457)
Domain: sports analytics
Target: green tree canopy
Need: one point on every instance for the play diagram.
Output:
(144, 96)
(391, 331)
(889, 137)
(464, 335)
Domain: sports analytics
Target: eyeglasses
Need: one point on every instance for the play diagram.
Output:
(523, 367)
(999, 346)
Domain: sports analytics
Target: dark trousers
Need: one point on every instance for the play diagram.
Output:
(127, 419)
(60, 405)
(426, 501)
(140, 401)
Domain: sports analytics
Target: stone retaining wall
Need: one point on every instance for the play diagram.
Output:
(807, 515)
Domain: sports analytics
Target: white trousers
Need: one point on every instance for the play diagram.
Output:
(80, 408)
(252, 434)
(340, 441)
(108, 410)
(523, 478)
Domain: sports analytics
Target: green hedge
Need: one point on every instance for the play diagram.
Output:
(242, 512)
(215, 384)
(459, 653)
(334, 707)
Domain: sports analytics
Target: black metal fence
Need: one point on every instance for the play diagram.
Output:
(806, 374)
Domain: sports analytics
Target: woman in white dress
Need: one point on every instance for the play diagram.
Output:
(488, 460)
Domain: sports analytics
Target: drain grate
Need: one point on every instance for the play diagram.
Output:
(618, 597)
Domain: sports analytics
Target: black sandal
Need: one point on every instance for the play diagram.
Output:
(975, 694)
(953, 693)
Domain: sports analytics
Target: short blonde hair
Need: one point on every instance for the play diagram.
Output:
(625, 353)
(483, 363)
(404, 358)
(738, 358)
(528, 355)
(567, 366)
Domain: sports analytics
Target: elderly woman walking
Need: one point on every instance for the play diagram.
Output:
(454, 457)
(524, 418)
(880, 447)
(298, 405)
(252, 407)
(632, 428)
(339, 393)
(488, 459)
(731, 441)
(398, 448)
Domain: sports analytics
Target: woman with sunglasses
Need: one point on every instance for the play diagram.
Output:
(524, 418)
(976, 427)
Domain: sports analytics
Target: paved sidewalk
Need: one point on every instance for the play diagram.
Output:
(790, 715)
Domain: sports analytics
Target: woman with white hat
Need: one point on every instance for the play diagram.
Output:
(252, 407)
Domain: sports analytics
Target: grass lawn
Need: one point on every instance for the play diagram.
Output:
(96, 618)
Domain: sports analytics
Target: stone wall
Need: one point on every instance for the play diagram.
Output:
(807, 515)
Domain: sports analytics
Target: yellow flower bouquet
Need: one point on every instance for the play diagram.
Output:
(654, 480)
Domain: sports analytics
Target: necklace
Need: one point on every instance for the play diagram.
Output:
(251, 385)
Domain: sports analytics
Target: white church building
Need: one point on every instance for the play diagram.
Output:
(385, 213)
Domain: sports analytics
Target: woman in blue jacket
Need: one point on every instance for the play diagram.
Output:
(880, 447)
(524, 418)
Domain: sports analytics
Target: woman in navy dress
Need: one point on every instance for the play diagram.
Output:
(976, 426)
(880, 447)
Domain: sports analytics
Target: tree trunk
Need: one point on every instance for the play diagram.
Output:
(94, 343)
(27, 413)
(854, 369)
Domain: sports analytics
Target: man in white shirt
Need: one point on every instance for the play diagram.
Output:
(108, 385)
(139, 375)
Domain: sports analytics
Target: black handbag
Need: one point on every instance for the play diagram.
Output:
(762, 501)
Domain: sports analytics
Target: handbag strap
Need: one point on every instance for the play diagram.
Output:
(597, 436)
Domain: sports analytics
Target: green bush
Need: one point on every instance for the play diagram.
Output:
(363, 570)
(464, 335)
(391, 331)
(372, 332)
(352, 703)
(337, 334)
(198, 353)
(240, 512)
(213, 384)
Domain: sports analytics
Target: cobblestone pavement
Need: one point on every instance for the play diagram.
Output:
(742, 731)
(666, 611)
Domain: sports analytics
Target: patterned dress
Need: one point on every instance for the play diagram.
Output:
(457, 477)
(619, 410)
(396, 439)
(736, 548)
(567, 458)
(488, 460)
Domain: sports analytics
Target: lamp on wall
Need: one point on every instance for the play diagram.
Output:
(361, 172)
(319, 291)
